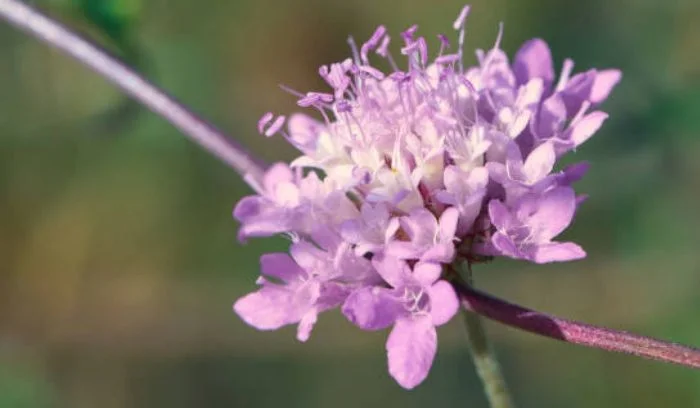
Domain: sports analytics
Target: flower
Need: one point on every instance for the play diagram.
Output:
(404, 174)
(431, 240)
(415, 302)
(526, 230)
(295, 289)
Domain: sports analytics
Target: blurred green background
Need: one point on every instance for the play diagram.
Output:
(118, 254)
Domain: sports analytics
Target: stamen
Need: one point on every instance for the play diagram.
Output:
(315, 99)
(291, 91)
(447, 59)
(459, 22)
(275, 126)
(353, 49)
(408, 34)
(565, 73)
(383, 47)
(372, 43)
(444, 43)
(264, 120)
(459, 26)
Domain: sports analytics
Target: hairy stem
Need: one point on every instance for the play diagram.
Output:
(198, 130)
(575, 332)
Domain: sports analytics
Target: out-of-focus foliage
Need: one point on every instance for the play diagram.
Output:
(114, 25)
(118, 255)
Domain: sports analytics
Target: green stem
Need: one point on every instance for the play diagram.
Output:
(486, 362)
(484, 358)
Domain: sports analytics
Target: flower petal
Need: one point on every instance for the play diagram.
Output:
(499, 214)
(448, 224)
(269, 308)
(444, 303)
(551, 116)
(304, 131)
(573, 173)
(426, 273)
(440, 253)
(372, 308)
(558, 252)
(587, 126)
(505, 246)
(420, 225)
(578, 90)
(411, 349)
(306, 325)
(555, 212)
(393, 270)
(403, 250)
(534, 60)
(279, 265)
(604, 82)
(539, 163)
(260, 217)
(277, 173)
(308, 256)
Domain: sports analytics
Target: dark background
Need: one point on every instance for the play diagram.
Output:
(118, 254)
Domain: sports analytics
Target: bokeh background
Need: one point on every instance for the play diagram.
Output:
(118, 254)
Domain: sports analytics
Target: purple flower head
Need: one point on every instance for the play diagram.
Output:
(415, 302)
(404, 174)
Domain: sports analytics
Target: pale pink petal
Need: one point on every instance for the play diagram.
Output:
(304, 131)
(555, 212)
(499, 214)
(558, 252)
(372, 308)
(551, 116)
(393, 270)
(420, 225)
(277, 173)
(426, 273)
(540, 162)
(534, 60)
(444, 303)
(403, 250)
(448, 224)
(443, 252)
(587, 126)
(604, 83)
(306, 255)
(269, 308)
(411, 349)
(279, 265)
(306, 325)
(505, 246)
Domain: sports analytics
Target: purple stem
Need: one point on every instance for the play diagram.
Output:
(197, 129)
(574, 332)
(212, 140)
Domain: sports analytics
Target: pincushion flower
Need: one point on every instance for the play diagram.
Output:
(434, 143)
(405, 174)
